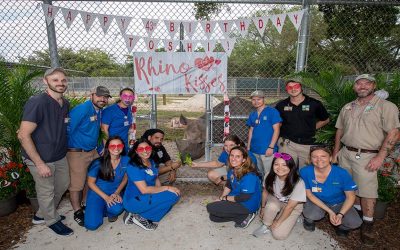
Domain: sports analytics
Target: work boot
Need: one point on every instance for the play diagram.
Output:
(367, 234)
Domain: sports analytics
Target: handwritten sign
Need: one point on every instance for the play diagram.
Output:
(180, 73)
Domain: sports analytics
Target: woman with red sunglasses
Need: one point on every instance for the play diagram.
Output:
(106, 179)
(282, 200)
(145, 200)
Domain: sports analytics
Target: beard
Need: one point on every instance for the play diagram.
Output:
(365, 93)
(99, 106)
(54, 88)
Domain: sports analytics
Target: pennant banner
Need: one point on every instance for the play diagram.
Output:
(123, 23)
(69, 16)
(180, 73)
(50, 12)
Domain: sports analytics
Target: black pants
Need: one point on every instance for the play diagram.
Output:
(223, 211)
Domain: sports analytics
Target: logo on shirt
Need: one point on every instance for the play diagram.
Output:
(264, 118)
(160, 154)
(354, 186)
(305, 107)
(149, 172)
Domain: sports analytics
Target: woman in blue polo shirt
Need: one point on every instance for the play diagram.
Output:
(218, 175)
(106, 179)
(242, 193)
(145, 199)
(330, 189)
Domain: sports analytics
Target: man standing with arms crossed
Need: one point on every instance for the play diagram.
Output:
(83, 136)
(368, 129)
(43, 136)
(301, 117)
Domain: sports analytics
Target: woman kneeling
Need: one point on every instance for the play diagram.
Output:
(282, 199)
(145, 199)
(330, 189)
(242, 193)
(106, 179)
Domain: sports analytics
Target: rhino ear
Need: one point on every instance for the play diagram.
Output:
(183, 120)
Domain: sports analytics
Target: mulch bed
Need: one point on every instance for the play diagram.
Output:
(15, 225)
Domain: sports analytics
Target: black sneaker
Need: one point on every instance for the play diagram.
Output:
(79, 217)
(36, 220)
(112, 219)
(309, 225)
(143, 223)
(246, 221)
(341, 232)
(128, 218)
(61, 229)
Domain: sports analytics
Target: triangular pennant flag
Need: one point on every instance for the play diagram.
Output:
(278, 21)
(105, 21)
(228, 45)
(172, 27)
(261, 24)
(226, 27)
(149, 25)
(50, 12)
(296, 18)
(243, 26)
(151, 43)
(189, 28)
(69, 15)
(130, 42)
(123, 23)
(189, 45)
(208, 27)
(208, 45)
(88, 19)
(170, 45)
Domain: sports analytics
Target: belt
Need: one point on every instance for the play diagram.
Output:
(78, 150)
(303, 141)
(362, 150)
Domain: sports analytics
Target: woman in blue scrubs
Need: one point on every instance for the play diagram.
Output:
(106, 179)
(145, 200)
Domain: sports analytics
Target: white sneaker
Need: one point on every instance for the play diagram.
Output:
(262, 230)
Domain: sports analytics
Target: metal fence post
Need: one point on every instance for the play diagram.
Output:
(153, 114)
(302, 44)
(208, 145)
(51, 37)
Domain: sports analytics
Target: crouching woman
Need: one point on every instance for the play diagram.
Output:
(106, 179)
(242, 192)
(330, 189)
(146, 201)
(283, 197)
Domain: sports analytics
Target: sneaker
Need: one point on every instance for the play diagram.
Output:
(79, 217)
(61, 229)
(143, 223)
(128, 218)
(309, 225)
(36, 220)
(246, 221)
(112, 219)
(262, 230)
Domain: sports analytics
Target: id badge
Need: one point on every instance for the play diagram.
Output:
(66, 119)
(126, 123)
(257, 121)
(316, 189)
(287, 108)
(93, 118)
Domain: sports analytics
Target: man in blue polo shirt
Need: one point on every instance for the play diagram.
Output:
(117, 118)
(264, 125)
(83, 135)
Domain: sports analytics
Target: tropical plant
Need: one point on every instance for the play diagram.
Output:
(9, 177)
(27, 183)
(387, 188)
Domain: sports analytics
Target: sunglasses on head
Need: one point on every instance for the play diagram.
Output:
(296, 86)
(127, 97)
(144, 149)
(283, 156)
(115, 146)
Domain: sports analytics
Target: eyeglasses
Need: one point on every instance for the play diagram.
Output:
(293, 87)
(283, 156)
(127, 97)
(144, 149)
(115, 146)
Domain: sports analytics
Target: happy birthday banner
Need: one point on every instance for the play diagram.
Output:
(172, 27)
(180, 73)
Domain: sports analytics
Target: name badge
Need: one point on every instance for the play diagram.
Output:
(66, 119)
(287, 108)
(126, 123)
(257, 121)
(305, 107)
(316, 189)
(93, 118)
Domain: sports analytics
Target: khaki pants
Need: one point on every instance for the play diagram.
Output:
(299, 152)
(273, 209)
(50, 189)
(263, 164)
(78, 165)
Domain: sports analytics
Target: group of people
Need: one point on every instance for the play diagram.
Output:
(282, 173)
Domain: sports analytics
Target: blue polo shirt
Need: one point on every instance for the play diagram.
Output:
(248, 184)
(332, 190)
(109, 187)
(224, 158)
(118, 122)
(263, 130)
(84, 127)
(135, 173)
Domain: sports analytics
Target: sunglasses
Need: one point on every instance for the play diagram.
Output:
(296, 86)
(144, 149)
(127, 97)
(283, 156)
(115, 146)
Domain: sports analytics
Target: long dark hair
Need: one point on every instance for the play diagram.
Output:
(135, 158)
(291, 179)
(246, 167)
(106, 170)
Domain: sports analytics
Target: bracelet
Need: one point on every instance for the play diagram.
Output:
(271, 147)
(262, 206)
(341, 214)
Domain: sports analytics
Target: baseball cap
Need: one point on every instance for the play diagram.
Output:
(368, 77)
(102, 91)
(52, 70)
(258, 93)
(297, 79)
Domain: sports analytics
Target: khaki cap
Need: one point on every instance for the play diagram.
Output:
(258, 93)
(52, 70)
(365, 76)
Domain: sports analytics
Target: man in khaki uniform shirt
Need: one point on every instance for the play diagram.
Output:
(368, 129)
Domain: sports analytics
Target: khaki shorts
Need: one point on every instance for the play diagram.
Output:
(78, 164)
(366, 181)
